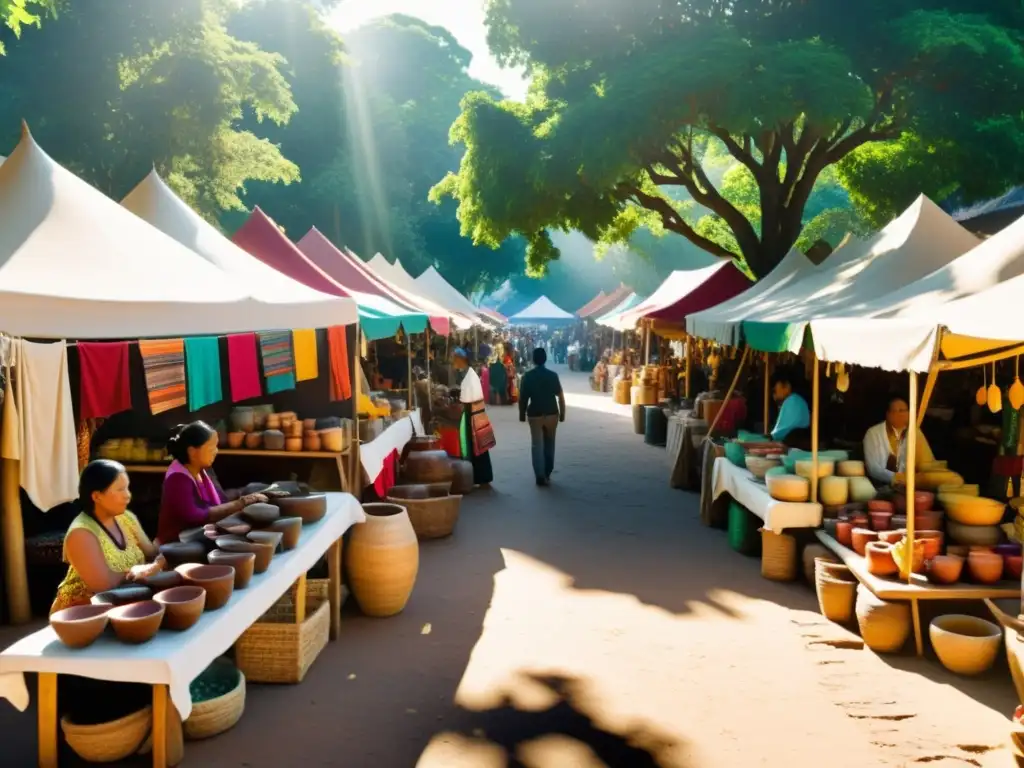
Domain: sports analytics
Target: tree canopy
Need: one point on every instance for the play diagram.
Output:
(629, 101)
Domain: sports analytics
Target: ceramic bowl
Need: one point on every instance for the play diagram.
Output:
(270, 538)
(261, 514)
(273, 440)
(80, 625)
(293, 443)
(310, 508)
(974, 535)
(262, 552)
(923, 501)
(825, 468)
(182, 606)
(965, 644)
(881, 505)
(123, 595)
(973, 510)
(291, 528)
(235, 525)
(1012, 566)
(243, 563)
(985, 567)
(176, 553)
(236, 440)
(137, 622)
(844, 532)
(880, 521)
(192, 534)
(892, 536)
(944, 569)
(878, 556)
(217, 580)
(758, 465)
(861, 537)
(850, 468)
(161, 581)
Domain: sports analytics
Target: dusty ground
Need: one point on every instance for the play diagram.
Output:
(593, 623)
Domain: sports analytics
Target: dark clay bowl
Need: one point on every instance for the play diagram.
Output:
(263, 552)
(270, 538)
(192, 534)
(291, 528)
(163, 580)
(80, 625)
(123, 595)
(217, 580)
(310, 508)
(261, 514)
(138, 622)
(242, 562)
(234, 525)
(176, 553)
(182, 606)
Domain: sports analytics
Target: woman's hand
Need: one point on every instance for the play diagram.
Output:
(253, 498)
(144, 571)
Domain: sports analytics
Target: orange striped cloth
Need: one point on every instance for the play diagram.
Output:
(164, 364)
(337, 345)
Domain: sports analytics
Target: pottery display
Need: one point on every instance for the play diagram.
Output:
(290, 528)
(963, 490)
(293, 444)
(429, 467)
(930, 520)
(137, 622)
(892, 536)
(182, 606)
(932, 541)
(236, 439)
(288, 418)
(261, 414)
(273, 440)
(243, 419)
(80, 625)
(243, 562)
(462, 477)
(834, 491)
(850, 468)
(758, 465)
(862, 489)
(270, 538)
(253, 440)
(965, 644)
(310, 508)
(123, 595)
(880, 521)
(383, 559)
(217, 580)
(192, 534)
(881, 505)
(263, 553)
(825, 468)
(311, 441)
(985, 567)
(878, 556)
(176, 553)
(944, 569)
(844, 532)
(861, 537)
(974, 535)
(1012, 566)
(836, 588)
(294, 429)
(923, 501)
(788, 487)
(273, 421)
(234, 525)
(332, 439)
(261, 514)
(973, 510)
(158, 582)
(309, 425)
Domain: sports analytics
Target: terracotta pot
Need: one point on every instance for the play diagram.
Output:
(462, 477)
(234, 525)
(290, 528)
(263, 553)
(923, 501)
(243, 419)
(944, 569)
(182, 606)
(844, 532)
(985, 567)
(1012, 566)
(123, 595)
(162, 581)
(932, 542)
(880, 505)
(261, 514)
(217, 580)
(273, 440)
(294, 429)
(253, 440)
(192, 534)
(928, 521)
(236, 439)
(310, 508)
(892, 536)
(260, 415)
(309, 425)
(243, 562)
(311, 442)
(333, 439)
(879, 559)
(270, 538)
(429, 467)
(859, 520)
(880, 520)
(383, 559)
(293, 444)
(80, 625)
(177, 553)
(959, 550)
(421, 443)
(273, 421)
(861, 537)
(138, 622)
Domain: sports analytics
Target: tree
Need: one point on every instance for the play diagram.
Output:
(630, 99)
(17, 14)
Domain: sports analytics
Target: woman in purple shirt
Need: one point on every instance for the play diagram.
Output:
(190, 495)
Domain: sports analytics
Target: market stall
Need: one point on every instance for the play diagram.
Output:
(403, 283)
(433, 286)
(544, 312)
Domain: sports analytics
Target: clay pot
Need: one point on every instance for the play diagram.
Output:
(879, 559)
(163, 581)
(242, 562)
(944, 569)
(429, 467)
(270, 538)
(176, 553)
(462, 477)
(844, 532)
(861, 537)
(1012, 566)
(293, 444)
(290, 528)
(191, 534)
(985, 567)
(928, 521)
(260, 415)
(959, 550)
(262, 552)
(923, 501)
(80, 625)
(309, 425)
(261, 514)
(217, 580)
(273, 440)
(182, 606)
(880, 520)
(253, 440)
(859, 520)
(236, 439)
(880, 505)
(138, 622)
(892, 536)
(123, 595)
(411, 491)
(333, 439)
(421, 443)
(233, 525)
(294, 429)
(243, 419)
(273, 421)
(310, 508)
(311, 442)
(932, 542)
(383, 559)
(288, 417)
(965, 644)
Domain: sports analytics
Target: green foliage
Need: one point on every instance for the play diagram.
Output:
(17, 14)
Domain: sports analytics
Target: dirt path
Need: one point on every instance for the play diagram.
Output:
(596, 622)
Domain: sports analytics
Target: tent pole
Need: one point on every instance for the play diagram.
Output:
(728, 394)
(910, 478)
(15, 572)
(426, 335)
(689, 358)
(356, 475)
(647, 344)
(929, 385)
(767, 391)
(815, 414)
(408, 354)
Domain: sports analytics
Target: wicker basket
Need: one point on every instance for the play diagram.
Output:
(214, 716)
(836, 587)
(276, 649)
(431, 518)
(112, 741)
(778, 556)
(811, 553)
(884, 626)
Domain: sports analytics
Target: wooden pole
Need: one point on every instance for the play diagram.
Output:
(929, 388)
(728, 394)
(356, 475)
(427, 336)
(767, 392)
(689, 363)
(908, 561)
(647, 344)
(408, 354)
(815, 414)
(13, 532)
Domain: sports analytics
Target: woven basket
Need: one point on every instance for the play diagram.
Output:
(214, 716)
(884, 626)
(112, 741)
(743, 525)
(811, 553)
(277, 650)
(778, 556)
(836, 588)
(431, 518)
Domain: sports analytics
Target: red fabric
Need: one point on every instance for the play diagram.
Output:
(243, 367)
(450, 443)
(341, 381)
(1008, 466)
(105, 388)
(731, 416)
(388, 473)
(721, 286)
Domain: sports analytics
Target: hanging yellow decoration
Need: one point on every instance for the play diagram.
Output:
(981, 396)
(842, 378)
(995, 397)
(1016, 393)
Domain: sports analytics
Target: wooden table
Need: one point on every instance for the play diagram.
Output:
(919, 588)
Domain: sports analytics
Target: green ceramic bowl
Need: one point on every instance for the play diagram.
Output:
(734, 452)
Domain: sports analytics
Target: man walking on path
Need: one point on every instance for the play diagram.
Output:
(542, 400)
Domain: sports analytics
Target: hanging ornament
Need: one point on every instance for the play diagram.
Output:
(842, 378)
(1016, 393)
(828, 370)
(981, 396)
(995, 397)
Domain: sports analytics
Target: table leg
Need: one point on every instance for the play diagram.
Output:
(47, 720)
(160, 695)
(300, 599)
(918, 637)
(334, 587)
(343, 474)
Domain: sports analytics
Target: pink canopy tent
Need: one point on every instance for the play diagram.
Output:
(350, 270)
(605, 303)
(688, 291)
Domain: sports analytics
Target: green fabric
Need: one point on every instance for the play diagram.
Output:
(377, 325)
(499, 376)
(464, 435)
(202, 371)
(771, 337)
(743, 530)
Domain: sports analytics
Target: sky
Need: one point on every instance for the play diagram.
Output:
(463, 18)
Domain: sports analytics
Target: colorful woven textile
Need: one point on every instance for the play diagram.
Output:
(243, 367)
(306, 363)
(202, 357)
(164, 364)
(337, 345)
(278, 360)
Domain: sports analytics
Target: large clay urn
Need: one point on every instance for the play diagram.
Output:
(383, 559)
(428, 467)
(421, 443)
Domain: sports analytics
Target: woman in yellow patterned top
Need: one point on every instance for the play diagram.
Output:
(105, 545)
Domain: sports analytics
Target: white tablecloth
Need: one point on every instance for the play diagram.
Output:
(394, 438)
(175, 659)
(777, 515)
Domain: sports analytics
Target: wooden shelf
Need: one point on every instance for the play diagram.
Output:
(283, 454)
(919, 588)
(147, 468)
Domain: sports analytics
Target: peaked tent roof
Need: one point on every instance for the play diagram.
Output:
(609, 302)
(402, 283)
(493, 315)
(154, 202)
(260, 236)
(920, 240)
(542, 310)
(75, 264)
(432, 285)
(588, 308)
(609, 318)
(722, 323)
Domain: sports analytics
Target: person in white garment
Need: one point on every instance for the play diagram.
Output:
(885, 445)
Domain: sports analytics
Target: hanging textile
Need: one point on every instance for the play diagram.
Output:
(388, 476)
(104, 384)
(483, 432)
(49, 450)
(86, 429)
(306, 363)
(278, 361)
(202, 368)
(164, 364)
(337, 345)
(10, 439)
(243, 367)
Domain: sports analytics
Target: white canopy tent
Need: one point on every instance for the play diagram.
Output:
(154, 202)
(434, 287)
(75, 264)
(542, 311)
(403, 282)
